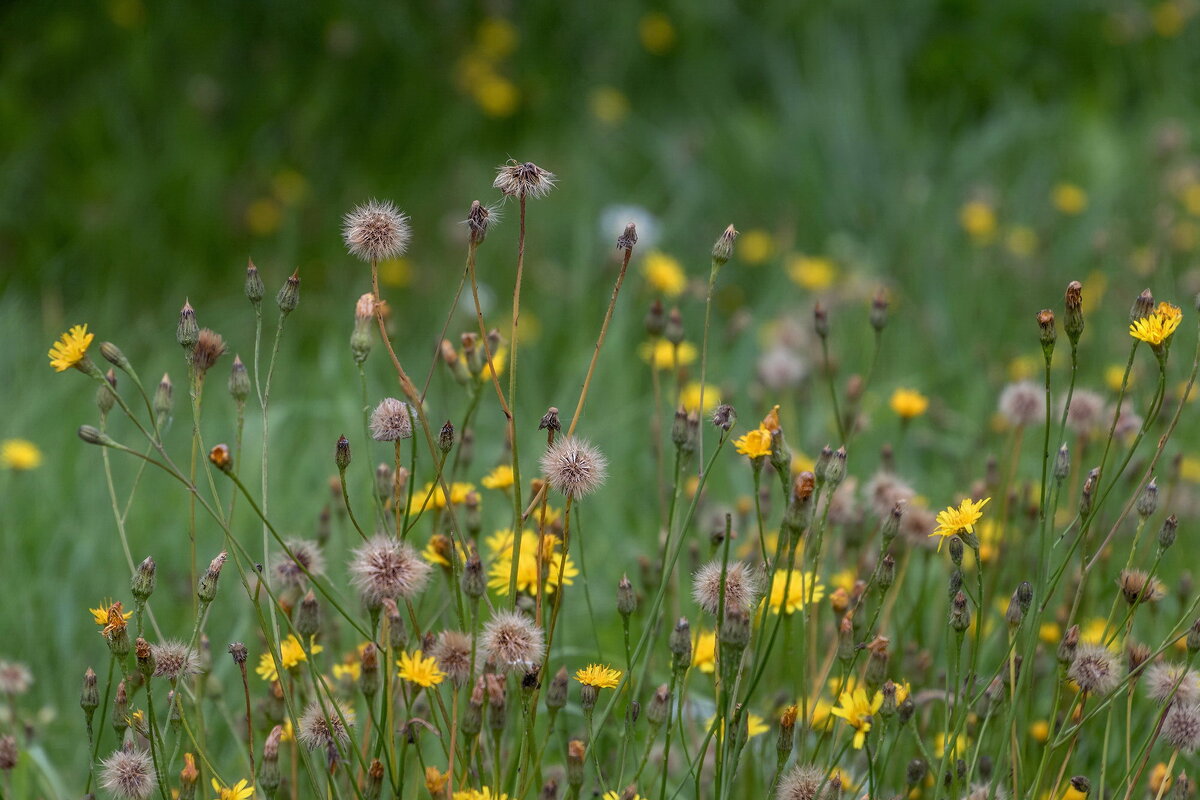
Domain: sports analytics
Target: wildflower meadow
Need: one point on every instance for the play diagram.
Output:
(695, 498)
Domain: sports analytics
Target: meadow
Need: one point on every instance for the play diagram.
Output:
(908, 191)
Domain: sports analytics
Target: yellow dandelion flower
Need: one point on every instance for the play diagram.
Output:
(798, 589)
(291, 653)
(978, 219)
(599, 676)
(431, 496)
(1158, 326)
(656, 33)
(1040, 731)
(1021, 241)
(612, 795)
(480, 794)
(351, 670)
(20, 454)
(812, 272)
(664, 355)
(71, 348)
(704, 651)
(500, 545)
(103, 615)
(664, 274)
(435, 780)
(420, 669)
(953, 520)
(1069, 198)
(858, 712)
(755, 725)
(1050, 632)
(242, 790)
(496, 38)
(689, 398)
(499, 478)
(958, 747)
(908, 403)
(755, 246)
(754, 444)
(437, 550)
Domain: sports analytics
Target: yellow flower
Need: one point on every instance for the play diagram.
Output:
(20, 454)
(857, 711)
(1021, 241)
(102, 615)
(1159, 776)
(263, 216)
(396, 272)
(71, 348)
(657, 35)
(499, 478)
(1114, 375)
(754, 444)
(689, 398)
(420, 670)
(978, 219)
(1040, 731)
(599, 676)
(908, 403)
(755, 246)
(1168, 18)
(608, 104)
(704, 651)
(959, 746)
(242, 790)
(480, 794)
(664, 274)
(435, 780)
(500, 545)
(1158, 326)
(496, 38)
(1050, 632)
(812, 272)
(437, 550)
(844, 579)
(755, 725)
(1189, 469)
(662, 354)
(291, 653)
(612, 795)
(437, 496)
(496, 95)
(351, 671)
(802, 583)
(963, 518)
(1069, 198)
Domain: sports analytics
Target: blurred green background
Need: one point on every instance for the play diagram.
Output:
(971, 156)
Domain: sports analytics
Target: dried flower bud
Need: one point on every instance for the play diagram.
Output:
(1166, 535)
(960, 614)
(1142, 306)
(887, 573)
(656, 320)
(1088, 495)
(368, 679)
(956, 550)
(879, 310)
(289, 294)
(142, 583)
(915, 772)
(821, 320)
(576, 750)
(145, 658)
(221, 458)
(308, 615)
(1047, 333)
(89, 696)
(845, 640)
(723, 248)
(628, 239)
(1073, 320)
(374, 788)
(474, 582)
(239, 653)
(626, 598)
(549, 420)
(1068, 645)
(724, 417)
(1148, 500)
(477, 222)
(556, 693)
(207, 588)
(1062, 464)
(239, 380)
(680, 644)
(446, 437)
(674, 330)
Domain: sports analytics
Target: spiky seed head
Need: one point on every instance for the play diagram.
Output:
(574, 467)
(15, 678)
(129, 773)
(385, 568)
(511, 640)
(1096, 669)
(209, 347)
(391, 421)
(1022, 403)
(1161, 679)
(376, 231)
(174, 660)
(1138, 587)
(305, 559)
(523, 180)
(453, 655)
(324, 728)
(741, 587)
(802, 782)
(1181, 727)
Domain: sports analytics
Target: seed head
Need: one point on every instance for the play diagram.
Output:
(479, 220)
(324, 727)
(305, 559)
(1138, 587)
(523, 180)
(511, 640)
(803, 782)
(174, 660)
(15, 678)
(1160, 683)
(209, 347)
(1022, 403)
(385, 568)
(129, 773)
(1181, 727)
(628, 237)
(391, 421)
(1096, 669)
(574, 467)
(741, 587)
(453, 655)
(1085, 415)
(376, 231)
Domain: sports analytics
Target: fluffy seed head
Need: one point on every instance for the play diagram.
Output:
(15, 678)
(981, 791)
(884, 490)
(453, 655)
(511, 640)
(1086, 413)
(1096, 669)
(574, 467)
(376, 231)
(741, 587)
(1160, 683)
(480, 219)
(289, 570)
(801, 783)
(1138, 587)
(324, 727)
(209, 347)
(523, 180)
(1022, 403)
(385, 568)
(174, 660)
(129, 774)
(1181, 727)
(390, 421)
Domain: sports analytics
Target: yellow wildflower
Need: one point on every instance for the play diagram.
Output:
(608, 104)
(664, 274)
(857, 711)
(812, 272)
(662, 354)
(755, 246)
(435, 780)
(351, 670)
(437, 551)
(102, 615)
(71, 348)
(755, 725)
(754, 444)
(291, 653)
(1069, 198)
(908, 403)
(978, 219)
(1158, 326)
(436, 496)
(480, 794)
(959, 746)
(242, 790)
(1050, 632)
(420, 669)
(801, 584)
(963, 518)
(1159, 776)
(689, 398)
(500, 545)
(1021, 241)
(704, 651)
(612, 795)
(496, 38)
(20, 454)
(657, 35)
(599, 676)
(499, 478)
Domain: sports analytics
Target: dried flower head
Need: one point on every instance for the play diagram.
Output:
(15, 678)
(209, 347)
(1085, 416)
(802, 782)
(1023, 403)
(1138, 587)
(453, 654)
(305, 559)
(741, 587)
(480, 219)
(129, 773)
(1096, 669)
(391, 421)
(1162, 677)
(324, 728)
(1181, 727)
(884, 490)
(574, 467)
(523, 180)
(174, 660)
(511, 640)
(376, 231)
(364, 309)
(385, 568)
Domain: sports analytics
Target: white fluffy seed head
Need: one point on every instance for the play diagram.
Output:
(1181, 727)
(390, 421)
(174, 660)
(741, 587)
(1022, 403)
(981, 791)
(574, 467)
(1096, 669)
(801, 783)
(1086, 413)
(527, 179)
(15, 678)
(306, 557)
(129, 774)
(385, 569)
(512, 641)
(453, 655)
(324, 728)
(376, 231)
(1161, 677)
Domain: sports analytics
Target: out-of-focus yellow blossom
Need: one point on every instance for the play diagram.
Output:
(1040, 731)
(656, 33)
(755, 246)
(1021, 241)
(499, 478)
(978, 219)
(1069, 198)
(20, 455)
(500, 572)
(263, 216)
(662, 354)
(812, 272)
(396, 272)
(1114, 374)
(664, 274)
(908, 403)
(496, 38)
(608, 104)
(1169, 18)
(689, 397)
(704, 651)
(798, 590)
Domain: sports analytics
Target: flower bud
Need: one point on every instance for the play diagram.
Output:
(120, 713)
(556, 693)
(1073, 320)
(835, 468)
(1062, 464)
(1088, 495)
(673, 333)
(187, 332)
(341, 453)
(1068, 645)
(1148, 500)
(956, 550)
(576, 750)
(879, 310)
(289, 294)
(368, 679)
(239, 380)
(374, 788)
(680, 644)
(820, 320)
(845, 640)
(93, 435)
(887, 573)
(656, 320)
(1142, 306)
(474, 582)
(906, 709)
(1046, 332)
(626, 598)
(1193, 637)
(960, 614)
(308, 616)
(723, 248)
(915, 772)
(254, 285)
(877, 663)
(1166, 535)
(206, 590)
(658, 710)
(163, 401)
(787, 732)
(142, 584)
(106, 396)
(89, 696)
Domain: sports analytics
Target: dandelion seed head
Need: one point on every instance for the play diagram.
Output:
(15, 678)
(1096, 669)
(324, 727)
(1022, 403)
(741, 587)
(385, 568)
(376, 231)
(801, 783)
(306, 556)
(527, 179)
(174, 660)
(1086, 413)
(129, 773)
(511, 640)
(574, 467)
(1181, 727)
(391, 421)
(1160, 680)
(209, 347)
(452, 651)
